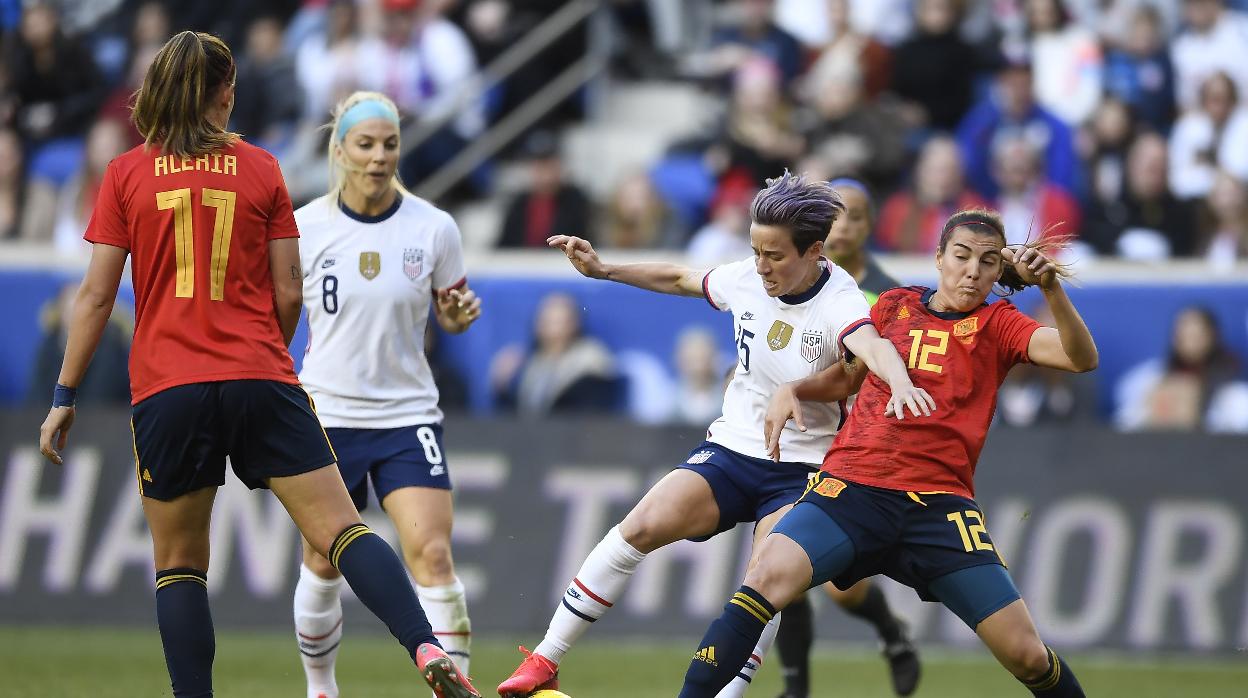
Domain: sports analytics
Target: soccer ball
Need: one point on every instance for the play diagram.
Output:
(549, 694)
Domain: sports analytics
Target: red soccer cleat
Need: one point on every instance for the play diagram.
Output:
(441, 673)
(535, 673)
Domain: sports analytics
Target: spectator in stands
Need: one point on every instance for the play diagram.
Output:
(912, 218)
(760, 130)
(105, 141)
(1032, 396)
(116, 106)
(1215, 38)
(1148, 222)
(1030, 205)
(1196, 386)
(636, 218)
(1104, 143)
(1227, 242)
(1066, 61)
(848, 51)
(1140, 73)
(269, 102)
(58, 90)
(1210, 137)
(565, 371)
(424, 62)
(726, 237)
(699, 395)
(1010, 106)
(853, 134)
(12, 183)
(107, 380)
(755, 34)
(330, 63)
(550, 206)
(933, 70)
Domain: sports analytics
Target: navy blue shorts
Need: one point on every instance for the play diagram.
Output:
(183, 434)
(745, 488)
(912, 537)
(400, 457)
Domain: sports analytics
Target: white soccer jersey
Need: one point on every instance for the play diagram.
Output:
(780, 340)
(368, 284)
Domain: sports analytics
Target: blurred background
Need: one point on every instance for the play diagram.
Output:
(647, 126)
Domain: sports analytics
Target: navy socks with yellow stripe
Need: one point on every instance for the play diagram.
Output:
(1058, 682)
(727, 644)
(380, 581)
(186, 630)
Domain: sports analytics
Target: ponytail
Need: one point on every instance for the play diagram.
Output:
(171, 108)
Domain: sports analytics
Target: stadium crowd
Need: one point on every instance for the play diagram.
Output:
(1121, 123)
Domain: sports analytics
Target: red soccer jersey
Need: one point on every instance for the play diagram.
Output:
(960, 362)
(198, 231)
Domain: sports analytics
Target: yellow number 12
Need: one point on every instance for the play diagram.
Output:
(179, 201)
(920, 353)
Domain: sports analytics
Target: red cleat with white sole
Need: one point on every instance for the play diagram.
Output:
(441, 674)
(535, 673)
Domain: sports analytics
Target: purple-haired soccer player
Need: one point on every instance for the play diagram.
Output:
(794, 314)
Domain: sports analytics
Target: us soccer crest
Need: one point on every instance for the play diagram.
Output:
(413, 262)
(779, 335)
(370, 265)
(812, 346)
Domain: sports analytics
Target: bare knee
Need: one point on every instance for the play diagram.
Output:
(776, 583)
(644, 530)
(318, 563)
(190, 553)
(1027, 658)
(430, 561)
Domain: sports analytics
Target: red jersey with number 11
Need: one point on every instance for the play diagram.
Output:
(198, 232)
(960, 359)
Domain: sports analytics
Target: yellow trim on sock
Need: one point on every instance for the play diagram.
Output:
(345, 539)
(175, 578)
(754, 604)
(747, 607)
(1051, 679)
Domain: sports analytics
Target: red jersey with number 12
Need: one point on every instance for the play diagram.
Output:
(198, 232)
(960, 360)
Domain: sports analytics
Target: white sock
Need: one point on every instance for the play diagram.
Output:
(596, 586)
(741, 682)
(448, 614)
(318, 630)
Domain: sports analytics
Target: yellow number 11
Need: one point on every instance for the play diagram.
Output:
(179, 201)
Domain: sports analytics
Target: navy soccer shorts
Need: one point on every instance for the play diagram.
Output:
(745, 488)
(183, 434)
(393, 458)
(935, 543)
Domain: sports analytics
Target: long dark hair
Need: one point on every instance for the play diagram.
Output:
(171, 108)
(987, 221)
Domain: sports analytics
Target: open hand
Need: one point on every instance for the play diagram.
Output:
(783, 406)
(916, 398)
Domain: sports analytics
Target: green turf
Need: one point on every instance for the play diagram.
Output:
(95, 663)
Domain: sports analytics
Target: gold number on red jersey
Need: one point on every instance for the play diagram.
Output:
(920, 353)
(972, 535)
(179, 200)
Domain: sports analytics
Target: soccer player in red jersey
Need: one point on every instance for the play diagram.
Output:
(218, 290)
(896, 496)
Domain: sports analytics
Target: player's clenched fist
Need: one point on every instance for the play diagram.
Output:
(581, 254)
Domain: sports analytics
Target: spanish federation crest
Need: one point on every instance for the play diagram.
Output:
(812, 346)
(779, 335)
(370, 265)
(965, 329)
(413, 262)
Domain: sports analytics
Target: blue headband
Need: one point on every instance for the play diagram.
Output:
(851, 183)
(362, 111)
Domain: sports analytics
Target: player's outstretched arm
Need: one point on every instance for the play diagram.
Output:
(1069, 346)
(882, 358)
(652, 276)
(832, 384)
(92, 307)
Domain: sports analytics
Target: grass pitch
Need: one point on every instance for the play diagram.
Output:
(127, 663)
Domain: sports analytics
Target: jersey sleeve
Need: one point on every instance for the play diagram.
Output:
(448, 268)
(282, 213)
(849, 311)
(108, 223)
(719, 285)
(1013, 330)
